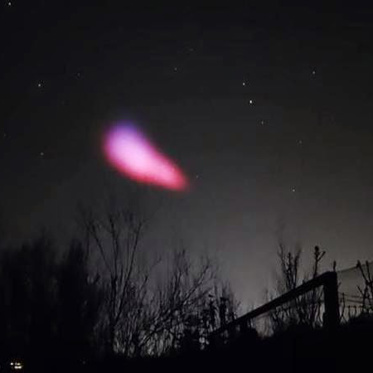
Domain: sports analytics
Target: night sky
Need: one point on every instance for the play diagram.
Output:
(268, 109)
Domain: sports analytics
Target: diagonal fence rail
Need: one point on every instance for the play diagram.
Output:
(331, 317)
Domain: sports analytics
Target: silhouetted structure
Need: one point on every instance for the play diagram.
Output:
(328, 281)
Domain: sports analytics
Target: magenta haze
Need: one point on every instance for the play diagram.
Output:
(128, 150)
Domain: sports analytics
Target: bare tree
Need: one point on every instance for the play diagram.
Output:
(176, 304)
(116, 238)
(79, 299)
(305, 309)
(366, 292)
(289, 269)
(142, 316)
(28, 299)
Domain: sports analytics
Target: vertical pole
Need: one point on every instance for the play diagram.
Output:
(331, 316)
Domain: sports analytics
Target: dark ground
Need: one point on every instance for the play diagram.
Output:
(348, 349)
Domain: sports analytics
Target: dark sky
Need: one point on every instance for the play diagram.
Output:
(296, 162)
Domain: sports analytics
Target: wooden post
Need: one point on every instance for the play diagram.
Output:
(331, 315)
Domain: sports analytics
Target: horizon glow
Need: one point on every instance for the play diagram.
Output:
(131, 153)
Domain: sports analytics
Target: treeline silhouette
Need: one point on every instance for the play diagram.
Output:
(103, 297)
(102, 305)
(49, 308)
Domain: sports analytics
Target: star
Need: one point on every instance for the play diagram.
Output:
(175, 69)
(42, 154)
(300, 142)
(313, 72)
(244, 84)
(9, 3)
(40, 84)
(262, 122)
(251, 102)
(293, 190)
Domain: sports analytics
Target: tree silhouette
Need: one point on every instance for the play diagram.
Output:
(116, 238)
(79, 304)
(27, 298)
(66, 308)
(305, 309)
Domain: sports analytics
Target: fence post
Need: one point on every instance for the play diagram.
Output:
(331, 315)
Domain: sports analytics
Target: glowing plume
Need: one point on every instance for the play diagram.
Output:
(133, 155)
